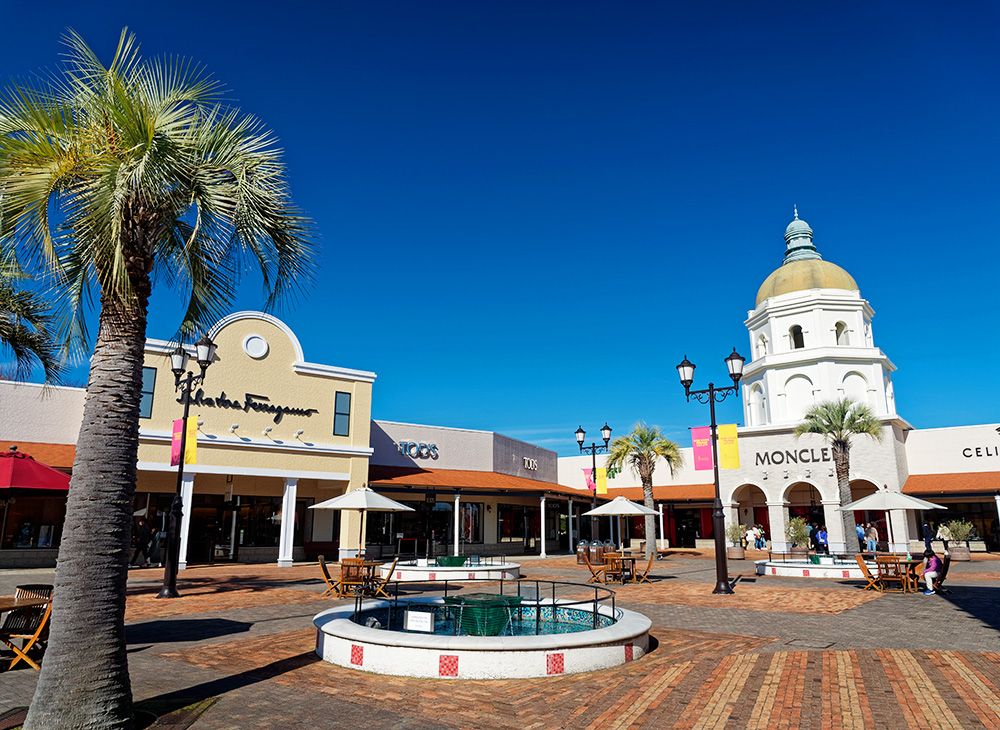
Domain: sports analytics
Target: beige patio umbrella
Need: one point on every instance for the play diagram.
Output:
(620, 507)
(884, 500)
(364, 500)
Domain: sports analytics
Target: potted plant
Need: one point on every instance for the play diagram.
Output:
(961, 532)
(797, 533)
(734, 534)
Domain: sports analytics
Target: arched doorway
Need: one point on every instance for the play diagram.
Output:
(862, 488)
(751, 507)
(804, 500)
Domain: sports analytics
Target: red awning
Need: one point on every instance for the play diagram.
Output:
(20, 471)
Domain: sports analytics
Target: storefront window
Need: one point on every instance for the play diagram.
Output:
(342, 414)
(32, 521)
(260, 521)
(471, 525)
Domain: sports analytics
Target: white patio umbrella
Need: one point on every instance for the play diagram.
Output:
(884, 501)
(364, 500)
(620, 507)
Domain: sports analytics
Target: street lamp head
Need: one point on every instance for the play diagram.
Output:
(606, 433)
(580, 435)
(206, 351)
(735, 364)
(178, 361)
(686, 372)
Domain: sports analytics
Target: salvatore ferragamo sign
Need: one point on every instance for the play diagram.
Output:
(251, 402)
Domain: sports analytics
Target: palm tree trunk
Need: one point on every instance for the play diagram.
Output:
(84, 680)
(647, 499)
(842, 464)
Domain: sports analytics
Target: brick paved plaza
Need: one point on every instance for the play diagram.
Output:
(236, 652)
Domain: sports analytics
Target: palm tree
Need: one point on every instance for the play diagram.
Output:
(26, 329)
(837, 421)
(640, 450)
(147, 176)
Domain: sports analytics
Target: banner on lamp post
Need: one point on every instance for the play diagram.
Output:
(701, 441)
(729, 451)
(175, 442)
(588, 475)
(602, 480)
(191, 442)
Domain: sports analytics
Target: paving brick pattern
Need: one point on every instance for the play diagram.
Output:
(780, 653)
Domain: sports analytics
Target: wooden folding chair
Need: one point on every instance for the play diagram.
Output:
(643, 576)
(331, 584)
(33, 590)
(352, 577)
(872, 579)
(939, 581)
(31, 626)
(596, 574)
(378, 587)
(891, 571)
(613, 568)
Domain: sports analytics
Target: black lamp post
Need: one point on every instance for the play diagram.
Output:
(205, 350)
(712, 395)
(593, 450)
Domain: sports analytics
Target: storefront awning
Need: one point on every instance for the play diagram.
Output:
(383, 476)
(20, 471)
(986, 483)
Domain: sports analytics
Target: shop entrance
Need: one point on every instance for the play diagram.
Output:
(214, 530)
(687, 524)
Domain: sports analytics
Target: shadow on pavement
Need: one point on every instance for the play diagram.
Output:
(980, 602)
(182, 698)
(165, 631)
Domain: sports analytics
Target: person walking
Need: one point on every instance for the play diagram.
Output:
(944, 535)
(871, 537)
(154, 548)
(822, 541)
(142, 544)
(859, 527)
(932, 569)
(928, 534)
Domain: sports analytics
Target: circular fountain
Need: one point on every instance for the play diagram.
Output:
(451, 569)
(483, 635)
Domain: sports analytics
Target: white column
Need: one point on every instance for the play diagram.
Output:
(187, 497)
(777, 517)
(997, 498)
(835, 538)
(569, 524)
(542, 554)
(663, 532)
(287, 530)
(900, 532)
(458, 499)
(732, 513)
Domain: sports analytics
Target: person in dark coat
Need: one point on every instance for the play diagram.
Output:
(142, 543)
(928, 534)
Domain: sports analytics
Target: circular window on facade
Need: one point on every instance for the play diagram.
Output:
(255, 346)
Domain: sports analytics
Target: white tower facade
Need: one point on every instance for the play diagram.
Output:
(811, 340)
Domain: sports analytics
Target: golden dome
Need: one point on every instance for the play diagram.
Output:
(803, 275)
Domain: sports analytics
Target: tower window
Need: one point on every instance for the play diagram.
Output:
(842, 338)
(795, 336)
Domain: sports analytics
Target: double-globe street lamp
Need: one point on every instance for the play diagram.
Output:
(593, 450)
(205, 351)
(713, 395)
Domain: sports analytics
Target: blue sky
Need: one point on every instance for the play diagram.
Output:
(531, 211)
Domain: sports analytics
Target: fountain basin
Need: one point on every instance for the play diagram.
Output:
(806, 569)
(341, 641)
(413, 571)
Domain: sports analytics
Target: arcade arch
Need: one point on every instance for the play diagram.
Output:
(751, 506)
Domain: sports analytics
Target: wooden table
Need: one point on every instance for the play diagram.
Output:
(911, 573)
(8, 603)
(628, 565)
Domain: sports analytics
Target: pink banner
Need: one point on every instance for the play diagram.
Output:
(588, 475)
(701, 439)
(175, 443)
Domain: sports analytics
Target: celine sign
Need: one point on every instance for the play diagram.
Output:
(793, 456)
(968, 452)
(418, 450)
(251, 402)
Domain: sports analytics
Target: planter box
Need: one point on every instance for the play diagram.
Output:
(735, 553)
(959, 553)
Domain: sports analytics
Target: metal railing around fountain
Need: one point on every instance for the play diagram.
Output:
(533, 591)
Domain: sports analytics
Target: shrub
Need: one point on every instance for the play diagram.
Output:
(797, 532)
(735, 533)
(961, 531)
